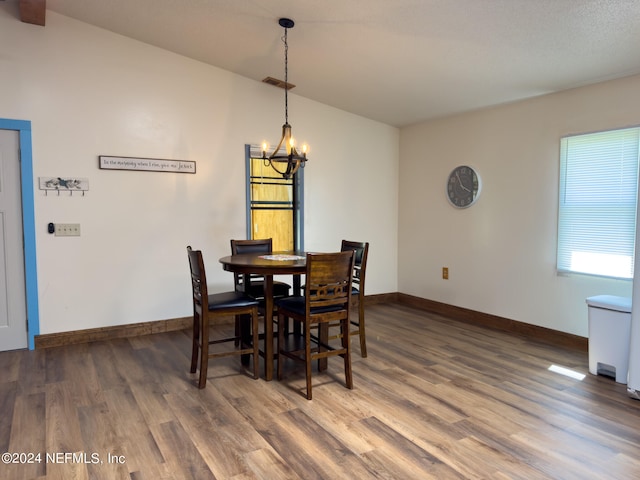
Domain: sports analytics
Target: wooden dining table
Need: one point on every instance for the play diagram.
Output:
(268, 265)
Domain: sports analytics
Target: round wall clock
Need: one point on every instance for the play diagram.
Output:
(463, 186)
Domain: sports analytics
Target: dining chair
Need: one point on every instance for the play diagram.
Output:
(325, 305)
(206, 308)
(253, 284)
(361, 250)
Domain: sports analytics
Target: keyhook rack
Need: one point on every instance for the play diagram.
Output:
(64, 184)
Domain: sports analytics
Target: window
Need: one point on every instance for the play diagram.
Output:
(274, 204)
(598, 198)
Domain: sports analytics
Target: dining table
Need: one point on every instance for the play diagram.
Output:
(268, 265)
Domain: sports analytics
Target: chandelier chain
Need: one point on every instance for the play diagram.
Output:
(286, 77)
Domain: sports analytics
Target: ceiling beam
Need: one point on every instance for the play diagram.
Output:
(33, 11)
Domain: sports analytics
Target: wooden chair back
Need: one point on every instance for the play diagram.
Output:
(198, 279)
(252, 284)
(329, 280)
(361, 250)
(245, 282)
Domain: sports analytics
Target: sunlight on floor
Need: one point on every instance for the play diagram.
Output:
(567, 372)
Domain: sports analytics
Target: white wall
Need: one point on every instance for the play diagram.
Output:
(501, 252)
(89, 92)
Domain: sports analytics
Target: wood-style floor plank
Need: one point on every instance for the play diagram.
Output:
(27, 412)
(435, 399)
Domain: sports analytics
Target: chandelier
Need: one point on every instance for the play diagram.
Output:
(286, 162)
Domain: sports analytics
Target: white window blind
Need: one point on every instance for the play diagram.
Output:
(598, 198)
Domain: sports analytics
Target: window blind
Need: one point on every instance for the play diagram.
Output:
(598, 198)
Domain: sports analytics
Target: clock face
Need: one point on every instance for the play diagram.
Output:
(463, 186)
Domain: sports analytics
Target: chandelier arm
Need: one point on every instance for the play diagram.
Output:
(273, 165)
(292, 167)
(276, 150)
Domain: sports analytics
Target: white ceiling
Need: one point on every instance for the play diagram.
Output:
(395, 61)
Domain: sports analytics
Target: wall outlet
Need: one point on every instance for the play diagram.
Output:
(445, 273)
(67, 229)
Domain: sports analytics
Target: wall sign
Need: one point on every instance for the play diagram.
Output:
(147, 164)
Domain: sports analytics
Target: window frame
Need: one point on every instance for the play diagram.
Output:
(597, 203)
(297, 202)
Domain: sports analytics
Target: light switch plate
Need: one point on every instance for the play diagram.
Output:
(67, 230)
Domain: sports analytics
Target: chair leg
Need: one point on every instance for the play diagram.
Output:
(237, 330)
(323, 336)
(256, 346)
(363, 338)
(196, 340)
(244, 329)
(346, 344)
(307, 356)
(204, 352)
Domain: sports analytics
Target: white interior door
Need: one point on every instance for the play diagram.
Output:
(13, 311)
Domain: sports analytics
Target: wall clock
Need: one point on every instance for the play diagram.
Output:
(463, 186)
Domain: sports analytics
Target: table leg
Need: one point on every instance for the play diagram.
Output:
(297, 285)
(268, 327)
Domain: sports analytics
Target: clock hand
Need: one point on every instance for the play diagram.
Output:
(461, 184)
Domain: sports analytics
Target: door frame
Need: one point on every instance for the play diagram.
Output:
(28, 225)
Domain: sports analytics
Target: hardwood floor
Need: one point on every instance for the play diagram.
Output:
(434, 399)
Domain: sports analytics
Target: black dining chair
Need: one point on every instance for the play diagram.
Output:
(209, 307)
(325, 305)
(361, 250)
(253, 284)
